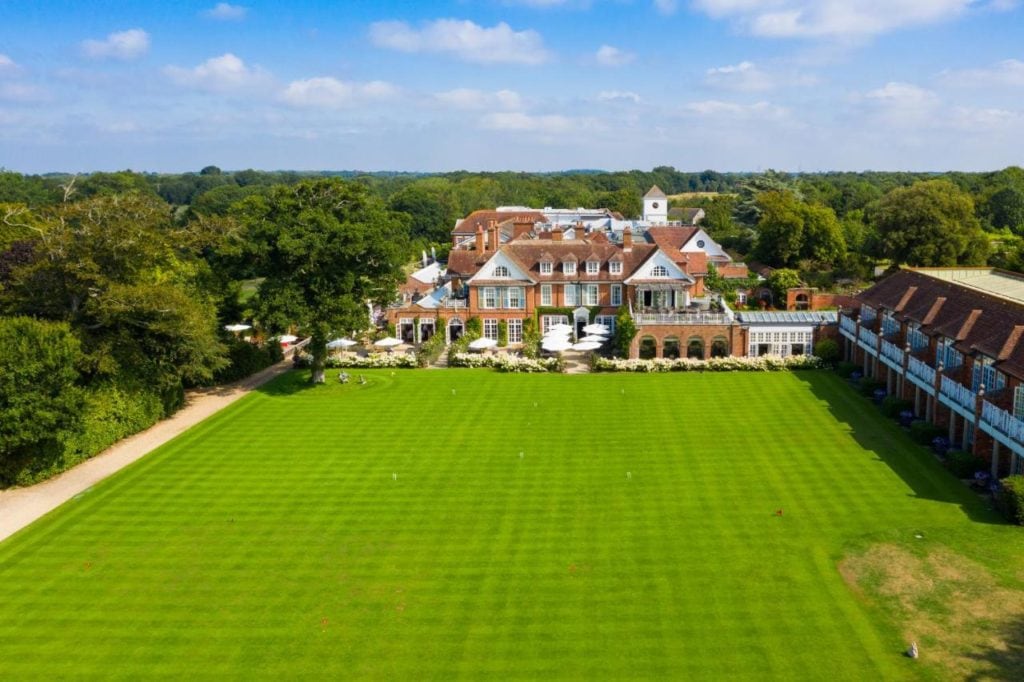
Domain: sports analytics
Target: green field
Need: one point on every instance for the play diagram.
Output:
(462, 523)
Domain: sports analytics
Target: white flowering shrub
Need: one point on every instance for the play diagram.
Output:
(764, 363)
(505, 363)
(371, 361)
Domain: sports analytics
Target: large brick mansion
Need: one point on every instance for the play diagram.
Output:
(588, 265)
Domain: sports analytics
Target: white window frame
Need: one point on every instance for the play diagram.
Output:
(570, 297)
(608, 320)
(546, 295)
(515, 331)
(491, 328)
(488, 298)
(593, 267)
(514, 304)
(616, 294)
(569, 268)
(659, 271)
(545, 267)
(591, 294)
(501, 271)
(1018, 402)
(615, 267)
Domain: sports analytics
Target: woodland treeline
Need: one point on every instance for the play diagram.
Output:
(115, 287)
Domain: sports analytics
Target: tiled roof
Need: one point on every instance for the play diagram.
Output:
(655, 193)
(981, 321)
(529, 253)
(469, 224)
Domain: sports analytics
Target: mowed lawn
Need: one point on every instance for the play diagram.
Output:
(468, 524)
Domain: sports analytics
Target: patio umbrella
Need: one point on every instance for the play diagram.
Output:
(556, 345)
(594, 337)
(288, 338)
(482, 343)
(237, 327)
(341, 343)
(556, 335)
(586, 345)
(596, 329)
(388, 342)
(560, 328)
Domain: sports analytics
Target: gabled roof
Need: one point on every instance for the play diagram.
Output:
(655, 193)
(980, 322)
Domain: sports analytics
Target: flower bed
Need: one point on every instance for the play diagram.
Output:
(765, 363)
(371, 361)
(505, 363)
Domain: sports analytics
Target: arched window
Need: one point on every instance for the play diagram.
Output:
(659, 271)
(719, 347)
(648, 348)
(670, 348)
(501, 271)
(695, 348)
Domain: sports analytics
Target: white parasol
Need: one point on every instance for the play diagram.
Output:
(341, 343)
(594, 337)
(237, 327)
(288, 338)
(482, 343)
(560, 329)
(586, 345)
(388, 342)
(556, 345)
(596, 329)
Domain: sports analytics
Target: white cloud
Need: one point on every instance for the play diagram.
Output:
(325, 92)
(466, 40)
(719, 109)
(1007, 73)
(7, 64)
(547, 124)
(666, 7)
(618, 96)
(900, 105)
(124, 45)
(471, 99)
(224, 11)
(749, 77)
(835, 18)
(225, 73)
(607, 55)
(903, 94)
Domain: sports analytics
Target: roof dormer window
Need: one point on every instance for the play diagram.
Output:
(545, 267)
(593, 267)
(501, 271)
(615, 267)
(569, 268)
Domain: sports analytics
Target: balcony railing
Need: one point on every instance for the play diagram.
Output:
(892, 353)
(847, 324)
(456, 303)
(924, 374)
(1003, 423)
(681, 318)
(868, 340)
(958, 393)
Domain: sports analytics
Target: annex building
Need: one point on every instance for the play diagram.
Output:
(577, 266)
(950, 340)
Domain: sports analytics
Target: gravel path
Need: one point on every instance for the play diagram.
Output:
(21, 506)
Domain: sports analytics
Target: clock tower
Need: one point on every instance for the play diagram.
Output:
(655, 206)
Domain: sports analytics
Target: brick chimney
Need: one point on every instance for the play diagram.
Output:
(479, 238)
(556, 234)
(495, 240)
(521, 228)
(627, 240)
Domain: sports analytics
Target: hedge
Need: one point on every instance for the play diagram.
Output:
(1011, 499)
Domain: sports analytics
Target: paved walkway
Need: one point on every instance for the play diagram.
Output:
(21, 506)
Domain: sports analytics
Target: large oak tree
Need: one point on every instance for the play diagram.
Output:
(325, 249)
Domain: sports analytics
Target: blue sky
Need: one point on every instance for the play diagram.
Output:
(512, 84)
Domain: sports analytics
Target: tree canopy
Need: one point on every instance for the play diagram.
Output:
(324, 248)
(931, 223)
